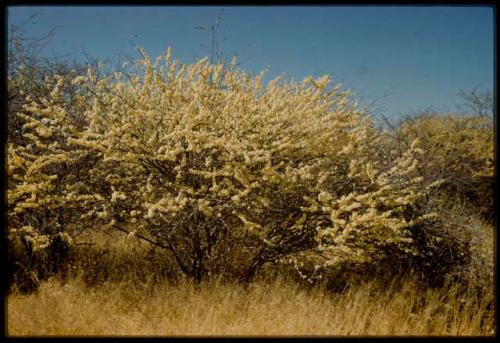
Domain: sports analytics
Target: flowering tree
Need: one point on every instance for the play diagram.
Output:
(45, 195)
(201, 158)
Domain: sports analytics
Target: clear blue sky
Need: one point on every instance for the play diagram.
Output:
(422, 55)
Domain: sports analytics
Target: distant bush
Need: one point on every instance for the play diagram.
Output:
(459, 150)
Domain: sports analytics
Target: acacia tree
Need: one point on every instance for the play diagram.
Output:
(209, 163)
(197, 156)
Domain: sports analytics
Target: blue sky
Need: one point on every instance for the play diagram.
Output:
(420, 56)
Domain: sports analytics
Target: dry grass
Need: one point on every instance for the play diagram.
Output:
(279, 308)
(138, 305)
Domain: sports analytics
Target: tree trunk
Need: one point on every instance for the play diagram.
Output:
(257, 262)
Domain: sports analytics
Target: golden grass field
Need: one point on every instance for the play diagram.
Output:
(272, 309)
(267, 307)
(273, 306)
